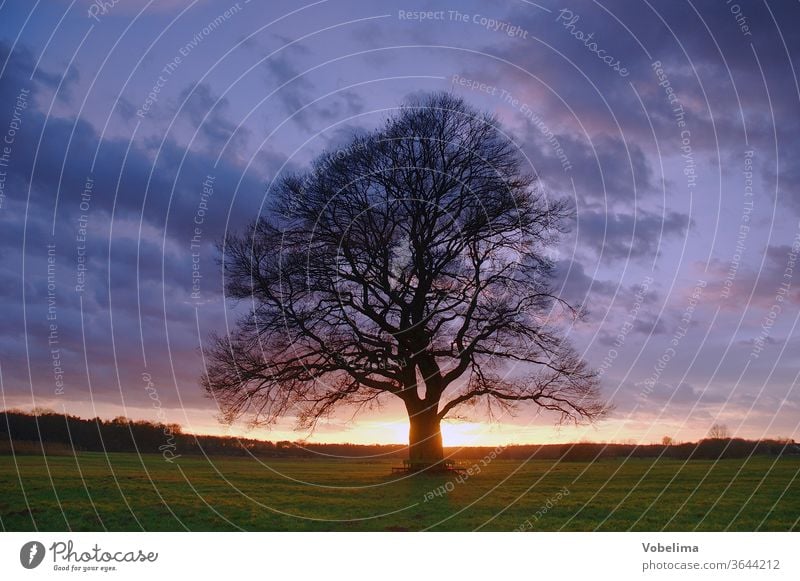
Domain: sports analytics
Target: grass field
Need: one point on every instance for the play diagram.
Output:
(128, 492)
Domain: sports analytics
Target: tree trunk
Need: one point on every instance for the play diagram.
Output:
(425, 439)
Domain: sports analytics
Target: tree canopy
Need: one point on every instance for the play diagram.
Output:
(412, 263)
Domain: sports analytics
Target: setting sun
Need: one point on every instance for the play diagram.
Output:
(453, 435)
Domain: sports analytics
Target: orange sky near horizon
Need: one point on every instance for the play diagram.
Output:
(391, 427)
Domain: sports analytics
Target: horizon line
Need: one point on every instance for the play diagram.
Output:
(34, 412)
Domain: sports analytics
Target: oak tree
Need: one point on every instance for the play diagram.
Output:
(410, 264)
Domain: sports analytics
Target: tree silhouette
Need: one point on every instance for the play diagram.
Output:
(409, 264)
(718, 432)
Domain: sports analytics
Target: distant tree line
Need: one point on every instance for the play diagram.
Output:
(32, 432)
(706, 449)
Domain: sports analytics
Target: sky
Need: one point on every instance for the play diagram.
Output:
(136, 133)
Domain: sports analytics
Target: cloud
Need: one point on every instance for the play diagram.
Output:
(574, 285)
(207, 114)
(294, 87)
(134, 228)
(619, 236)
(750, 287)
(733, 97)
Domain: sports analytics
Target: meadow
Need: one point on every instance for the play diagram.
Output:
(129, 492)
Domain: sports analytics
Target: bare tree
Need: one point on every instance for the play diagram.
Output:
(719, 432)
(410, 264)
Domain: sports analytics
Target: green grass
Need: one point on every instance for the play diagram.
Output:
(127, 492)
